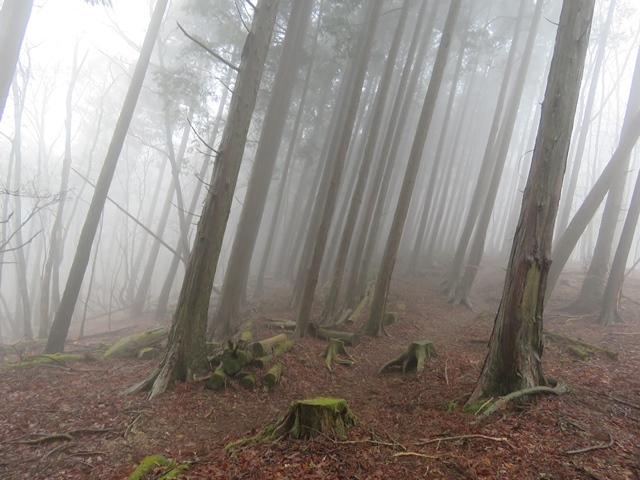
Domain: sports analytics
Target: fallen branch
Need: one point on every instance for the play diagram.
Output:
(463, 437)
(590, 348)
(602, 446)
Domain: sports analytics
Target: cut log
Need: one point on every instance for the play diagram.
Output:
(332, 353)
(130, 345)
(245, 337)
(279, 349)
(248, 382)
(282, 323)
(264, 347)
(587, 347)
(349, 338)
(272, 377)
(217, 380)
(344, 316)
(353, 318)
(233, 362)
(413, 359)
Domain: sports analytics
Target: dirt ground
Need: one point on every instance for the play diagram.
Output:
(407, 424)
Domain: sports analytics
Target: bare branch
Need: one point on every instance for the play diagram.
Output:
(201, 139)
(207, 48)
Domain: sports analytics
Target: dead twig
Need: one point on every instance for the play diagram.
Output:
(47, 438)
(446, 365)
(621, 401)
(593, 447)
(416, 454)
(58, 449)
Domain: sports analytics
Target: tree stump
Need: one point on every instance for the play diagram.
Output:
(308, 418)
(413, 359)
(331, 353)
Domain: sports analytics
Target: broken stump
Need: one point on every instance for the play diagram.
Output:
(308, 418)
(332, 353)
(413, 359)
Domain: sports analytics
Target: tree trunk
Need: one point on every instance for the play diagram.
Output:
(488, 161)
(185, 357)
(368, 234)
(244, 241)
(62, 320)
(562, 250)
(515, 348)
(14, 18)
(461, 294)
(293, 142)
(414, 262)
(609, 313)
(374, 324)
(568, 194)
(594, 281)
(55, 243)
(328, 206)
(21, 260)
(363, 174)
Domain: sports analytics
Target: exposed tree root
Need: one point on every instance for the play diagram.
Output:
(591, 448)
(44, 439)
(559, 389)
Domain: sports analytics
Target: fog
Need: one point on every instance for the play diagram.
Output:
(339, 112)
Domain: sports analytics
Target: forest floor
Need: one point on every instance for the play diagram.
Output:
(405, 422)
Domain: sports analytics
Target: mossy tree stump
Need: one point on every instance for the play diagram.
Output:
(413, 359)
(332, 353)
(308, 418)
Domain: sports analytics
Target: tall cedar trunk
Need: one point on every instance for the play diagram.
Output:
(244, 241)
(62, 320)
(363, 174)
(308, 229)
(14, 18)
(328, 206)
(378, 304)
(412, 268)
(293, 142)
(55, 242)
(569, 192)
(163, 299)
(515, 348)
(594, 281)
(368, 234)
(488, 161)
(465, 124)
(185, 357)
(629, 135)
(609, 313)
(462, 291)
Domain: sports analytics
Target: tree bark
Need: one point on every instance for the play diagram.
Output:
(515, 348)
